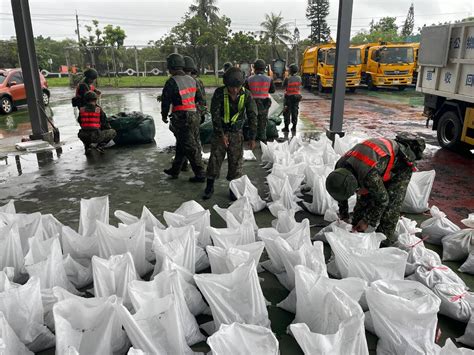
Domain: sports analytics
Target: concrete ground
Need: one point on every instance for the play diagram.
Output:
(54, 182)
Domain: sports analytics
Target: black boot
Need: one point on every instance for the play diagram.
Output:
(209, 189)
(293, 129)
(185, 167)
(232, 196)
(171, 173)
(285, 129)
(197, 178)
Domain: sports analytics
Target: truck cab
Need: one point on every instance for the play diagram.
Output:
(387, 65)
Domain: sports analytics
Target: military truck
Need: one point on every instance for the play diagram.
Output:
(446, 78)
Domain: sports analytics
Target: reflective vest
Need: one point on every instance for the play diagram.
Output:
(89, 120)
(240, 107)
(259, 85)
(294, 84)
(89, 88)
(365, 156)
(187, 91)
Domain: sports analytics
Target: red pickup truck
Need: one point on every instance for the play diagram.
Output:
(12, 90)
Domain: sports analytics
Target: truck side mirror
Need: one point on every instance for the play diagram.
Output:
(12, 83)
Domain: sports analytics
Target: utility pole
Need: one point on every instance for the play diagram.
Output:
(77, 29)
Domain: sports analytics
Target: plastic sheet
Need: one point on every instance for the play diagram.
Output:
(10, 344)
(244, 187)
(231, 237)
(457, 246)
(418, 192)
(93, 210)
(243, 339)
(438, 226)
(11, 253)
(468, 266)
(225, 261)
(404, 314)
(235, 297)
(238, 212)
(456, 302)
(168, 282)
(112, 276)
(90, 325)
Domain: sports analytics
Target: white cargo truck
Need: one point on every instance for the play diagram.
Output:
(446, 77)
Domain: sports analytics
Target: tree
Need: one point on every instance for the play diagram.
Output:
(206, 9)
(241, 47)
(114, 36)
(383, 30)
(316, 13)
(407, 29)
(385, 24)
(8, 54)
(275, 31)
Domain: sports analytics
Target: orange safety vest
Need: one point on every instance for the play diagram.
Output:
(294, 85)
(187, 90)
(259, 85)
(89, 120)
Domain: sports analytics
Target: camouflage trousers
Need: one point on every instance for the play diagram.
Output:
(263, 105)
(292, 106)
(97, 136)
(185, 127)
(396, 189)
(235, 154)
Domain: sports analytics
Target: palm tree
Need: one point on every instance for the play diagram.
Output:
(275, 30)
(206, 9)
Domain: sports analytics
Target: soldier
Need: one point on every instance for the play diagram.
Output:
(86, 84)
(229, 103)
(181, 92)
(227, 66)
(379, 170)
(260, 86)
(292, 100)
(94, 125)
(191, 69)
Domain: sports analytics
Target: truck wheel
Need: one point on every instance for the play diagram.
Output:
(401, 87)
(6, 105)
(320, 87)
(352, 89)
(449, 130)
(45, 98)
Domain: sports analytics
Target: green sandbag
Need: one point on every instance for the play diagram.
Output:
(272, 130)
(277, 119)
(206, 130)
(133, 128)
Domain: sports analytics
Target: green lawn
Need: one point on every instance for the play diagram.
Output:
(133, 81)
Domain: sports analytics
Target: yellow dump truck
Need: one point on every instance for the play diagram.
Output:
(446, 78)
(416, 48)
(387, 65)
(317, 67)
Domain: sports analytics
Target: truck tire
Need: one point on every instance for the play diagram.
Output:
(352, 89)
(321, 88)
(370, 84)
(6, 105)
(401, 87)
(449, 130)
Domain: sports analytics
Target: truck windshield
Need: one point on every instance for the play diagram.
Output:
(392, 55)
(354, 57)
(2, 78)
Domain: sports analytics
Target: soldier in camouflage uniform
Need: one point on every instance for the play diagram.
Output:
(379, 170)
(181, 93)
(292, 86)
(229, 103)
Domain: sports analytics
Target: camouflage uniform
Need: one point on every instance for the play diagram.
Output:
(233, 131)
(98, 136)
(291, 103)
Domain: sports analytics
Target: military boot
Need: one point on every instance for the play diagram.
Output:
(285, 129)
(197, 178)
(209, 189)
(171, 173)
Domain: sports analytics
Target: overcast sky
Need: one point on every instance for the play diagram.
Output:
(149, 20)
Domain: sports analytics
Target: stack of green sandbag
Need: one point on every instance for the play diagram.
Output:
(272, 130)
(133, 128)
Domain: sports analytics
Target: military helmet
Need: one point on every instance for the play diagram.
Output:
(227, 66)
(90, 96)
(91, 73)
(341, 184)
(259, 64)
(189, 64)
(175, 61)
(233, 77)
(293, 68)
(411, 146)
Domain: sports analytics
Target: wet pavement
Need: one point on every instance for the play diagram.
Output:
(54, 182)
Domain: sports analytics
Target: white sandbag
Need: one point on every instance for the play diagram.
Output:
(90, 325)
(10, 344)
(311, 289)
(468, 266)
(202, 260)
(346, 143)
(200, 220)
(23, 310)
(179, 244)
(322, 201)
(235, 297)
(275, 184)
(404, 314)
(266, 153)
(131, 238)
(418, 192)
(45, 261)
(436, 274)
(469, 221)
(238, 212)
(79, 275)
(287, 201)
(11, 252)
(29, 226)
(226, 260)
(342, 242)
(112, 276)
(79, 247)
(51, 227)
(408, 241)
(406, 226)
(244, 187)
(133, 351)
(457, 246)
(242, 339)
(377, 264)
(438, 226)
(9, 207)
(339, 223)
(285, 221)
(468, 337)
(421, 256)
(450, 349)
(93, 210)
(166, 283)
(456, 302)
(231, 237)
